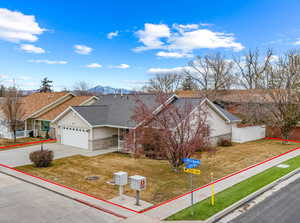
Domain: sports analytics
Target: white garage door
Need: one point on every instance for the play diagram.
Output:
(75, 137)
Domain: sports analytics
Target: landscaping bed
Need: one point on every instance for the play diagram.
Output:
(162, 182)
(203, 209)
(19, 142)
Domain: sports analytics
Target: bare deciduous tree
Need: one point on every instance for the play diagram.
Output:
(279, 104)
(164, 83)
(81, 88)
(212, 72)
(251, 69)
(178, 129)
(12, 109)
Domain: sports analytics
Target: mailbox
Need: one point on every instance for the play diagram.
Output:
(120, 178)
(138, 182)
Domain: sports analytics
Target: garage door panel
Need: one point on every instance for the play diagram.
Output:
(76, 137)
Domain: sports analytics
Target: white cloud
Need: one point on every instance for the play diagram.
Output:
(94, 65)
(16, 27)
(174, 70)
(24, 78)
(181, 40)
(3, 76)
(29, 48)
(185, 27)
(121, 66)
(112, 34)
(203, 38)
(49, 61)
(297, 42)
(82, 49)
(151, 36)
(274, 58)
(173, 54)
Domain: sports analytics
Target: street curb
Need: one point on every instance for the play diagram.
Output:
(236, 205)
(250, 197)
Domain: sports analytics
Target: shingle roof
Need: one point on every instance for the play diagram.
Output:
(115, 110)
(53, 113)
(232, 95)
(228, 115)
(118, 110)
(93, 114)
(36, 101)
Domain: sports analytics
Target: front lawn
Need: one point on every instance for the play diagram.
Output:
(21, 141)
(204, 210)
(162, 182)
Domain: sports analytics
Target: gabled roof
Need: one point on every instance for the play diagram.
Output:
(35, 102)
(117, 111)
(74, 101)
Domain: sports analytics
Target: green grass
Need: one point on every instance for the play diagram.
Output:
(204, 210)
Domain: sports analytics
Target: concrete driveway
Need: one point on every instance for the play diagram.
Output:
(26, 203)
(20, 156)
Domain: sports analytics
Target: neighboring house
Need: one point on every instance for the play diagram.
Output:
(103, 124)
(39, 109)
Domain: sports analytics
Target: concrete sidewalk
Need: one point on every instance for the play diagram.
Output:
(174, 206)
(20, 156)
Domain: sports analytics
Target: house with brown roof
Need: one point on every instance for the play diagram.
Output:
(39, 109)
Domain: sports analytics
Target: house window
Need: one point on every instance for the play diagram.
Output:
(45, 125)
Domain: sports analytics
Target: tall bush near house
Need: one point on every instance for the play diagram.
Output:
(175, 130)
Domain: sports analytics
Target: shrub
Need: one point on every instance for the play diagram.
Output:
(41, 158)
(225, 142)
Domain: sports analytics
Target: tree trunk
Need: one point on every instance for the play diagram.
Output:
(285, 136)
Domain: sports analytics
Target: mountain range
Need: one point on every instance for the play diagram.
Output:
(109, 90)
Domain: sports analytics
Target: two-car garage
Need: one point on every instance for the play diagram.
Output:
(76, 137)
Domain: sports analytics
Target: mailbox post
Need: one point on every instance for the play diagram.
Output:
(138, 183)
(121, 179)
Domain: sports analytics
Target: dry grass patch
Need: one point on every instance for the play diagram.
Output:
(10, 142)
(163, 182)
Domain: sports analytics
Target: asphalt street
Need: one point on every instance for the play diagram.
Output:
(22, 202)
(282, 207)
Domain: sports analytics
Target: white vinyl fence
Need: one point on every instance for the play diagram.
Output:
(246, 134)
(19, 134)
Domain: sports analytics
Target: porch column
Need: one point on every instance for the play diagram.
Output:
(134, 140)
(33, 126)
(118, 139)
(25, 125)
(25, 130)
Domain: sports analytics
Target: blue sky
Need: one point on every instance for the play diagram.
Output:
(70, 42)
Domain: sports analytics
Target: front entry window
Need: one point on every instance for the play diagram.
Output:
(45, 125)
